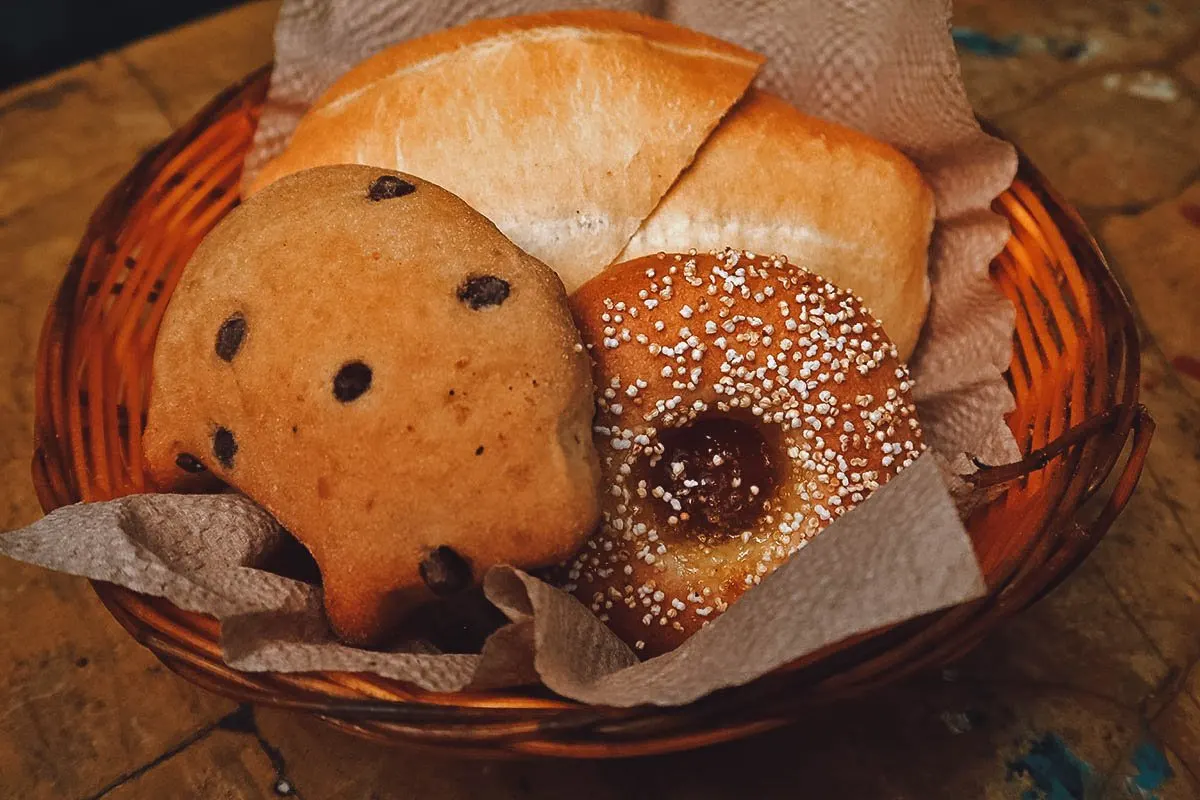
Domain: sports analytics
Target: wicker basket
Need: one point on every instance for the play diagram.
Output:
(1074, 374)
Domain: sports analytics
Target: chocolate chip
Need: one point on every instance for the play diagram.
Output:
(189, 463)
(388, 187)
(351, 381)
(479, 450)
(444, 571)
(230, 336)
(484, 290)
(225, 447)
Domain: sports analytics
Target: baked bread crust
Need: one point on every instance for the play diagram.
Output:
(771, 179)
(370, 360)
(565, 129)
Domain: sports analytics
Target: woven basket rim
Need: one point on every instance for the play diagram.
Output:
(516, 710)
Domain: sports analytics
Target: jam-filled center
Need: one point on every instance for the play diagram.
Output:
(720, 471)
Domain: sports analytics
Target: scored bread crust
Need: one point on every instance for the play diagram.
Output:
(565, 129)
(773, 180)
(412, 53)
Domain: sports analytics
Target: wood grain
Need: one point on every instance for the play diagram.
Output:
(1104, 656)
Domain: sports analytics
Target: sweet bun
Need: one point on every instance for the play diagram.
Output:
(402, 387)
(565, 129)
(743, 405)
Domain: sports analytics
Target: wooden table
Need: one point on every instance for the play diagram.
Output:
(1093, 693)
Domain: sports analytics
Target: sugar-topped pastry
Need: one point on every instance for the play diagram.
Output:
(743, 405)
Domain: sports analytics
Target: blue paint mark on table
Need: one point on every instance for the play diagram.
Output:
(1056, 772)
(979, 43)
(1153, 770)
(982, 44)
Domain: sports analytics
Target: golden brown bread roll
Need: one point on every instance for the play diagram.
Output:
(564, 129)
(571, 131)
(401, 386)
(744, 404)
(773, 180)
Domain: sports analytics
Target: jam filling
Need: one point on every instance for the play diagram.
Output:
(720, 471)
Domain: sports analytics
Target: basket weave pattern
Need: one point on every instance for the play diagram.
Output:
(1074, 375)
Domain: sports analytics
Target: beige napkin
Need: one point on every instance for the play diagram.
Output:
(901, 554)
(884, 66)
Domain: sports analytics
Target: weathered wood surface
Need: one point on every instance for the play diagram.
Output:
(1093, 693)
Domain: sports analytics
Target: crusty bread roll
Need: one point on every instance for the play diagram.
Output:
(839, 203)
(574, 131)
(564, 129)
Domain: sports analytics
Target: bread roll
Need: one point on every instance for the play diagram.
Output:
(771, 179)
(574, 131)
(565, 129)
(370, 360)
